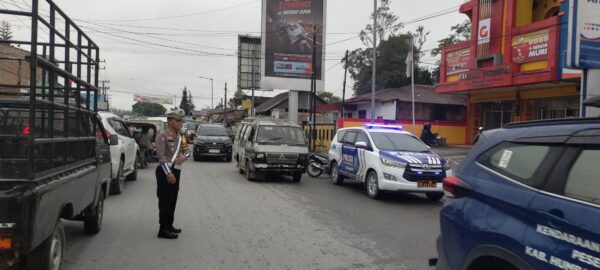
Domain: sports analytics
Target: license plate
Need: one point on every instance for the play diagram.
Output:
(214, 151)
(427, 184)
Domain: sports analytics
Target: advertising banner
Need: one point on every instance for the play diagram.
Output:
(458, 61)
(584, 34)
(483, 35)
(287, 45)
(151, 99)
(530, 47)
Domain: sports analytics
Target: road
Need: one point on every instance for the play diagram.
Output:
(230, 223)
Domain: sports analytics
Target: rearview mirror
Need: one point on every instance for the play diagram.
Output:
(361, 145)
(113, 139)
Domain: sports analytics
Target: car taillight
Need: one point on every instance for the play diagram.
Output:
(99, 134)
(5, 243)
(456, 188)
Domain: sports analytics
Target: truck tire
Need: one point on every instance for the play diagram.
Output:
(133, 176)
(119, 183)
(92, 221)
(49, 255)
(297, 177)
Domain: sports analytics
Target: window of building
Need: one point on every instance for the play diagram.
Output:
(362, 114)
(497, 114)
(553, 108)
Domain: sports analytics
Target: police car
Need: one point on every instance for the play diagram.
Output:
(387, 158)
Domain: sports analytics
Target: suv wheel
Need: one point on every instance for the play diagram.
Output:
(48, 256)
(249, 175)
(92, 222)
(435, 196)
(133, 176)
(372, 185)
(118, 183)
(336, 178)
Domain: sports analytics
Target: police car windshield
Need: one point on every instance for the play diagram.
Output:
(280, 135)
(388, 141)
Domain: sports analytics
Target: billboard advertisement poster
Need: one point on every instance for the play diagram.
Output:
(483, 34)
(530, 47)
(584, 34)
(458, 61)
(151, 99)
(287, 45)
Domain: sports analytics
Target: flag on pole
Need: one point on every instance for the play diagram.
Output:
(409, 60)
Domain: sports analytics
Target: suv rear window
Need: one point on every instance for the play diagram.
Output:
(583, 182)
(519, 162)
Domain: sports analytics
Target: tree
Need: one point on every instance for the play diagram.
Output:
(391, 65)
(148, 109)
(387, 24)
(192, 107)
(5, 31)
(458, 33)
(186, 103)
(329, 97)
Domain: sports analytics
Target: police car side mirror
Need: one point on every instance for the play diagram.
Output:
(113, 139)
(361, 145)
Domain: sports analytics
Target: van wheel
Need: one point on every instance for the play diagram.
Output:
(249, 175)
(373, 185)
(92, 222)
(118, 183)
(435, 196)
(49, 255)
(133, 176)
(336, 178)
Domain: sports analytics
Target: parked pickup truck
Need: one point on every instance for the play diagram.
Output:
(55, 160)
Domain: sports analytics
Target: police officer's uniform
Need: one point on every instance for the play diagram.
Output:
(169, 147)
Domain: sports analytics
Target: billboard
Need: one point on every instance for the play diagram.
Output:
(287, 45)
(458, 61)
(584, 34)
(248, 56)
(530, 47)
(151, 99)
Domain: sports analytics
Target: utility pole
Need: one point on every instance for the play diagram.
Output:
(374, 76)
(104, 88)
(225, 105)
(313, 92)
(253, 81)
(344, 89)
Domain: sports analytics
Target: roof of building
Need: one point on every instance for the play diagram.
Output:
(423, 94)
(274, 101)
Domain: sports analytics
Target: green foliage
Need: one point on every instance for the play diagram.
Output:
(187, 105)
(458, 33)
(5, 31)
(391, 65)
(387, 24)
(148, 109)
(329, 97)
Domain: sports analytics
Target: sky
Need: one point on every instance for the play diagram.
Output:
(142, 60)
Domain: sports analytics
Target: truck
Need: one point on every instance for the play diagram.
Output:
(55, 154)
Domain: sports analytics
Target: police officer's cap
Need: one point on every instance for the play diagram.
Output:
(176, 114)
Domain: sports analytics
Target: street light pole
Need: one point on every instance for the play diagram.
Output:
(212, 91)
(374, 76)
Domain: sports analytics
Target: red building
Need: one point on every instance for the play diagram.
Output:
(510, 69)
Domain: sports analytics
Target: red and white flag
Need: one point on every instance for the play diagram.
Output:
(409, 59)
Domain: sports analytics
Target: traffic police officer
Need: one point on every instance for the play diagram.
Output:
(171, 155)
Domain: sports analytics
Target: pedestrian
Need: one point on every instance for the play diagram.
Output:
(169, 147)
(426, 135)
(145, 143)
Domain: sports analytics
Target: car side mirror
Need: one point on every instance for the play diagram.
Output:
(113, 139)
(361, 145)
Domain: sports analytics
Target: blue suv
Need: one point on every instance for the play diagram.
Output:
(526, 197)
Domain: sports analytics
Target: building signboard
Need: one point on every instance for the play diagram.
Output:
(458, 61)
(483, 34)
(584, 34)
(530, 47)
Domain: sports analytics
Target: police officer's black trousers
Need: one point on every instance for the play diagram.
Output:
(167, 197)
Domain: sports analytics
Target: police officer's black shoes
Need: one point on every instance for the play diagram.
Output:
(166, 234)
(175, 230)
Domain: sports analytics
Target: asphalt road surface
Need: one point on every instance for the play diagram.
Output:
(230, 223)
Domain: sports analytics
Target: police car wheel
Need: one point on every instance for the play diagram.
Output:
(372, 185)
(336, 178)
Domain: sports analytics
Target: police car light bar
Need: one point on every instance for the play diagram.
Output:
(382, 126)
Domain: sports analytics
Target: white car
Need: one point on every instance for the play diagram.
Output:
(387, 158)
(123, 155)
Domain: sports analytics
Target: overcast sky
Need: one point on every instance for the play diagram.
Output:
(141, 68)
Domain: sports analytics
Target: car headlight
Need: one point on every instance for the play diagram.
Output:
(260, 156)
(394, 164)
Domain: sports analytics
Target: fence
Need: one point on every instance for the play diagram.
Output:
(323, 136)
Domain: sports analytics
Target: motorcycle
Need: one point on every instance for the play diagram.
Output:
(317, 165)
